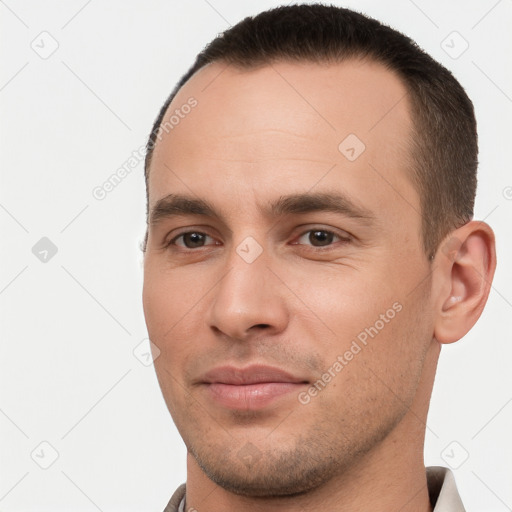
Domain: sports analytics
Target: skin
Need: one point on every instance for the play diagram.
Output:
(254, 136)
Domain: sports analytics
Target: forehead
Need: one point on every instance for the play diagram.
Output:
(285, 125)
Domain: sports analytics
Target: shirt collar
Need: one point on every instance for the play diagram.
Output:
(443, 491)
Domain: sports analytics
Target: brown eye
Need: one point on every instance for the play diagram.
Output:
(191, 239)
(319, 238)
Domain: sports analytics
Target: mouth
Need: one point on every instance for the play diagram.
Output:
(251, 388)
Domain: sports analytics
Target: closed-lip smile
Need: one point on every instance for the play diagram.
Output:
(250, 388)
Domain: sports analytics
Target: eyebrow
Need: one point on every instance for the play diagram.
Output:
(179, 205)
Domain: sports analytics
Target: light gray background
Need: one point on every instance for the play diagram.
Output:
(69, 378)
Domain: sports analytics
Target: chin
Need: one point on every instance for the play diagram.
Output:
(264, 485)
(271, 475)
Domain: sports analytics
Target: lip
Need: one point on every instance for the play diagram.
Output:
(251, 388)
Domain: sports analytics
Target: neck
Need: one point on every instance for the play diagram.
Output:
(390, 478)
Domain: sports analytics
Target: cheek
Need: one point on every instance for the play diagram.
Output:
(395, 351)
(376, 379)
(345, 303)
(169, 297)
(162, 311)
(375, 332)
(173, 305)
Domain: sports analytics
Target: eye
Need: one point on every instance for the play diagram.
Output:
(320, 238)
(191, 240)
(312, 237)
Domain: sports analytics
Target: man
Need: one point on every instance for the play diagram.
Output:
(310, 247)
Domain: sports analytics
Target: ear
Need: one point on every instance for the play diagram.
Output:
(464, 268)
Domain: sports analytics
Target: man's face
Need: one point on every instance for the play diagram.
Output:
(292, 338)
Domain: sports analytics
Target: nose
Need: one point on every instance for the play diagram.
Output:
(247, 300)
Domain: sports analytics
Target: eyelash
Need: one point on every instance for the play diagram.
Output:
(342, 239)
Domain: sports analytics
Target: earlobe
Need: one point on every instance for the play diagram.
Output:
(465, 264)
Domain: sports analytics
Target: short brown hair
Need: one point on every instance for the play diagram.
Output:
(444, 139)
